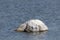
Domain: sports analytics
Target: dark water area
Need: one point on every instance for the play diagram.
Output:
(15, 12)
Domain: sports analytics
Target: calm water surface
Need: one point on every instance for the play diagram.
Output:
(15, 12)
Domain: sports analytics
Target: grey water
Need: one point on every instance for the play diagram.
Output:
(15, 12)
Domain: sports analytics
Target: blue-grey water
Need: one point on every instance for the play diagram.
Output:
(15, 12)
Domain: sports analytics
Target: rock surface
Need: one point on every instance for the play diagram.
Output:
(33, 25)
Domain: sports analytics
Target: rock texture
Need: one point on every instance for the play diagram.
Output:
(33, 25)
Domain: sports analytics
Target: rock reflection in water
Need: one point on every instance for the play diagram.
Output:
(36, 36)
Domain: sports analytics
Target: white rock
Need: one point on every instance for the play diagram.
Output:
(33, 25)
